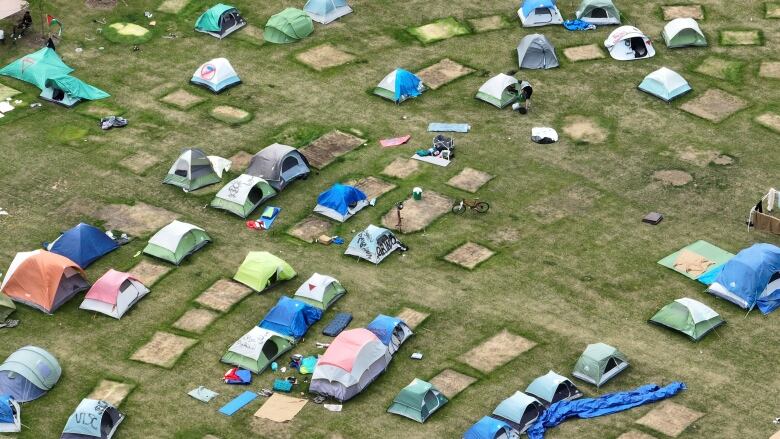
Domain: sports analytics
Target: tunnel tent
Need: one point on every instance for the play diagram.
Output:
(628, 43)
(751, 278)
(93, 419)
(598, 12)
(256, 349)
(600, 363)
(519, 411)
(28, 373)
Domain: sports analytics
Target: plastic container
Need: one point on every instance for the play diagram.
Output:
(417, 194)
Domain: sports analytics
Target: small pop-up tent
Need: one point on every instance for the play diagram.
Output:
(551, 388)
(326, 11)
(399, 85)
(373, 244)
(257, 349)
(418, 401)
(6, 307)
(83, 244)
(28, 373)
(216, 75)
(340, 202)
(279, 165)
(490, 428)
(114, 293)
(598, 12)
(534, 13)
(192, 170)
(220, 21)
(688, 316)
(288, 26)
(260, 270)
(291, 318)
(10, 415)
(176, 241)
(519, 411)
(391, 331)
(628, 43)
(93, 419)
(500, 90)
(536, 52)
(751, 278)
(599, 363)
(320, 291)
(683, 32)
(242, 195)
(665, 84)
(43, 280)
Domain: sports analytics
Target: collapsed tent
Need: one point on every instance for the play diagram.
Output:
(418, 401)
(114, 294)
(500, 90)
(326, 11)
(279, 165)
(373, 244)
(320, 291)
(176, 241)
(83, 244)
(260, 270)
(288, 26)
(683, 32)
(598, 12)
(629, 43)
(399, 85)
(539, 13)
(551, 388)
(43, 280)
(220, 21)
(68, 91)
(354, 359)
(751, 278)
(10, 415)
(490, 428)
(216, 75)
(29, 373)
(257, 349)
(243, 195)
(519, 411)
(391, 331)
(340, 202)
(93, 419)
(688, 316)
(192, 170)
(291, 318)
(665, 84)
(7, 307)
(599, 363)
(536, 52)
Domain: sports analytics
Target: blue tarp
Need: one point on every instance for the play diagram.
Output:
(6, 412)
(407, 85)
(291, 317)
(604, 405)
(749, 272)
(530, 5)
(449, 127)
(238, 403)
(383, 326)
(487, 428)
(578, 25)
(339, 197)
(83, 244)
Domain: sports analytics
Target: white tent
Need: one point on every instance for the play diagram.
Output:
(113, 294)
(629, 43)
(216, 75)
(320, 291)
(665, 84)
(11, 7)
(495, 90)
(683, 32)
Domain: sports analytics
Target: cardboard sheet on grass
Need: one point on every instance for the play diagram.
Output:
(698, 261)
(330, 146)
(280, 408)
(163, 349)
(412, 317)
(195, 320)
(112, 392)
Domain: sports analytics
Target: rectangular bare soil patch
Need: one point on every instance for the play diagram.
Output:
(450, 382)
(310, 228)
(327, 148)
(113, 392)
(683, 11)
(148, 272)
(769, 69)
(496, 351)
(443, 72)
(135, 220)
(772, 10)
(324, 57)
(568, 202)
(182, 99)
(583, 53)
(714, 105)
(487, 24)
(670, 418)
(770, 120)
(418, 214)
(172, 6)
(470, 180)
(412, 317)
(222, 295)
(195, 320)
(401, 167)
(163, 349)
(469, 255)
(139, 161)
(371, 186)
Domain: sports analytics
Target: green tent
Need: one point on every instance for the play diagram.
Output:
(242, 195)
(176, 241)
(320, 291)
(192, 170)
(683, 32)
(418, 401)
(262, 269)
(688, 316)
(210, 20)
(599, 363)
(37, 67)
(6, 307)
(288, 26)
(76, 87)
(256, 349)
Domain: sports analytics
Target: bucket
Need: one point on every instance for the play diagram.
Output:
(417, 194)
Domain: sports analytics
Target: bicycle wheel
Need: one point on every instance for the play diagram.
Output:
(482, 207)
(458, 208)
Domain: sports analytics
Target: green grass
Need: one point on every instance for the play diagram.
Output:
(772, 10)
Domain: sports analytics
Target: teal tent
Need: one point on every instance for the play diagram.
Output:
(417, 401)
(220, 21)
(75, 87)
(288, 26)
(599, 363)
(519, 411)
(551, 388)
(37, 67)
(29, 373)
(93, 418)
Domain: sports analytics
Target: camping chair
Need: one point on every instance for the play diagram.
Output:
(445, 145)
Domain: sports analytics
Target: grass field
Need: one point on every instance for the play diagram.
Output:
(573, 264)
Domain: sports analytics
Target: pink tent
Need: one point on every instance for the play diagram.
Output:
(114, 293)
(345, 348)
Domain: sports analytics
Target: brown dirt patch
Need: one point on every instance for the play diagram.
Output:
(324, 150)
(100, 4)
(182, 99)
(401, 168)
(222, 295)
(769, 69)
(717, 67)
(769, 120)
(373, 187)
(310, 228)
(324, 57)
(571, 201)
(740, 37)
(195, 320)
(714, 105)
(210, 436)
(251, 34)
(506, 235)
(723, 160)
(670, 418)
(470, 180)
(469, 255)
(417, 215)
(772, 10)
(112, 392)
(230, 115)
(583, 53)
(412, 317)
(583, 129)
(673, 177)
(172, 6)
(139, 162)
(135, 220)
(683, 11)
(443, 72)
(149, 273)
(496, 351)
(486, 24)
(240, 160)
(704, 158)
(450, 382)
(633, 434)
(163, 349)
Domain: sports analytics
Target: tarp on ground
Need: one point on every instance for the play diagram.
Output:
(685, 261)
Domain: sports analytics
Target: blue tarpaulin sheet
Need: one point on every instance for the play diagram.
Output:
(238, 403)
(449, 127)
(578, 25)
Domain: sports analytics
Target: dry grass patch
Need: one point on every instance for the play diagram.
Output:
(230, 115)
(371, 186)
(327, 148)
(450, 382)
(714, 105)
(182, 99)
(633, 434)
(583, 53)
(240, 160)
(704, 158)
(324, 57)
(775, 436)
(139, 161)
(100, 4)
(443, 72)
(469, 255)
(720, 68)
(172, 6)
(135, 220)
(583, 129)
(412, 317)
(769, 120)
(769, 69)
(496, 351)
(683, 11)
(441, 29)
(7, 92)
(401, 168)
(670, 418)
(570, 201)
(251, 34)
(417, 215)
(163, 349)
(222, 295)
(211, 436)
(310, 228)
(149, 273)
(112, 392)
(673, 177)
(740, 37)
(470, 180)
(772, 10)
(196, 320)
(487, 24)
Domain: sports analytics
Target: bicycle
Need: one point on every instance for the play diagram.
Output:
(474, 204)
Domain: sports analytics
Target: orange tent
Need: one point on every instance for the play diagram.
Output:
(43, 280)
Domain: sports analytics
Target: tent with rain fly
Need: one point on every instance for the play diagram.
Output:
(519, 411)
(279, 165)
(10, 415)
(6, 307)
(243, 195)
(751, 278)
(68, 91)
(288, 26)
(176, 241)
(220, 21)
(320, 291)
(599, 363)
(399, 85)
(628, 43)
(291, 318)
(665, 84)
(490, 428)
(260, 270)
(500, 90)
(391, 331)
(688, 316)
(28, 373)
(326, 11)
(551, 388)
(192, 170)
(683, 32)
(216, 75)
(43, 280)
(598, 12)
(38, 67)
(340, 202)
(373, 244)
(257, 349)
(83, 244)
(418, 401)
(534, 13)
(114, 294)
(92, 419)
(536, 52)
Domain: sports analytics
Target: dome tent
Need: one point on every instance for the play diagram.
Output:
(519, 411)
(10, 415)
(320, 291)
(536, 52)
(192, 170)
(399, 85)
(688, 316)
(551, 388)
(260, 270)
(628, 43)
(288, 26)
(373, 244)
(290, 318)
(598, 12)
(92, 419)
(665, 84)
(490, 428)
(114, 294)
(750, 278)
(326, 11)
(220, 21)
(599, 363)
(418, 401)
(279, 165)
(256, 349)
(341, 202)
(29, 373)
(683, 32)
(534, 13)
(216, 75)
(391, 331)
(83, 244)
(243, 195)
(176, 241)
(496, 90)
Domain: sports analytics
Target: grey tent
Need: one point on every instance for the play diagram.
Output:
(29, 373)
(599, 363)
(536, 52)
(92, 419)
(279, 165)
(192, 170)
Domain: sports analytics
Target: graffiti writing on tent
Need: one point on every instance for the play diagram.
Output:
(93, 419)
(385, 244)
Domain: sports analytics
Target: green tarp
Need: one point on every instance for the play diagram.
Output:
(77, 88)
(209, 21)
(288, 26)
(37, 67)
(701, 248)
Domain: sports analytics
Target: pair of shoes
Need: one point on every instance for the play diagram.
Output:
(107, 123)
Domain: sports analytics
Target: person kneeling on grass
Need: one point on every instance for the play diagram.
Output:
(525, 97)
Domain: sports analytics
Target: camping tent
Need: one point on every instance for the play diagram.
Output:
(418, 401)
(536, 52)
(340, 202)
(490, 428)
(279, 165)
(12, 7)
(43, 280)
(68, 91)
(391, 331)
(288, 26)
(551, 388)
(114, 293)
(93, 419)
(176, 241)
(320, 291)
(683, 32)
(10, 415)
(83, 244)
(216, 75)
(352, 361)
(192, 170)
(496, 91)
(326, 11)
(628, 43)
(598, 12)
(519, 411)
(291, 318)
(260, 270)
(373, 244)
(220, 21)
(539, 13)
(242, 195)
(688, 316)
(6, 307)
(256, 349)
(599, 363)
(751, 278)
(29, 373)
(399, 85)
(665, 84)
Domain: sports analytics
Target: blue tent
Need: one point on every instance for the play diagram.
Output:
(391, 331)
(746, 277)
(530, 5)
(83, 244)
(488, 428)
(291, 317)
(340, 202)
(6, 410)
(399, 85)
